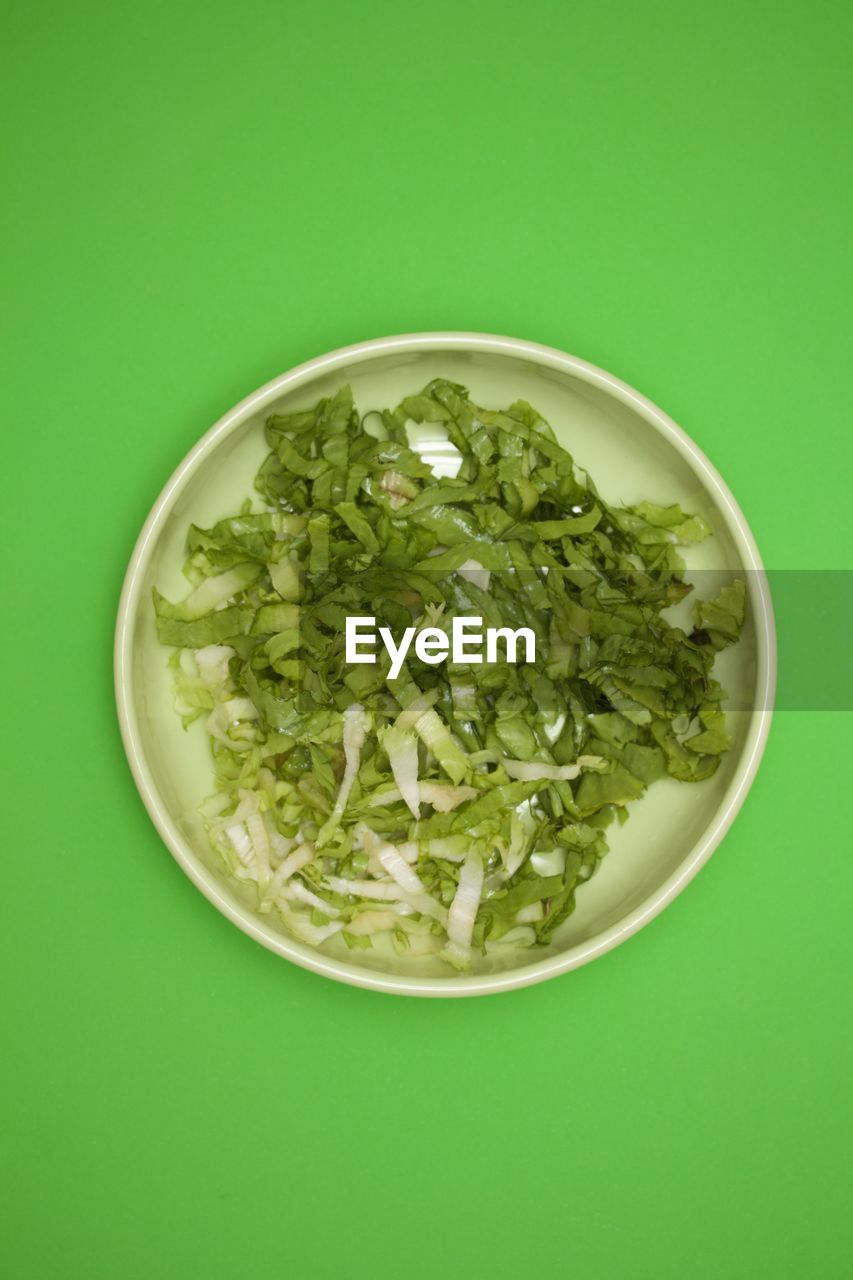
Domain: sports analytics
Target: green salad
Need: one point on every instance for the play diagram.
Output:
(449, 807)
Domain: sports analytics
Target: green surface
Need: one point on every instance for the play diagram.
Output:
(196, 197)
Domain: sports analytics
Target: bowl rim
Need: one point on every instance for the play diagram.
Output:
(655, 902)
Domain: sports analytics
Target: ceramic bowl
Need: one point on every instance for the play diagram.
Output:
(633, 451)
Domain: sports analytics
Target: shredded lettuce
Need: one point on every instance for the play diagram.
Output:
(448, 808)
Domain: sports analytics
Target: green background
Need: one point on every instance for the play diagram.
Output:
(197, 197)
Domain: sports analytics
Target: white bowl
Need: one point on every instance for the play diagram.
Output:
(633, 451)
